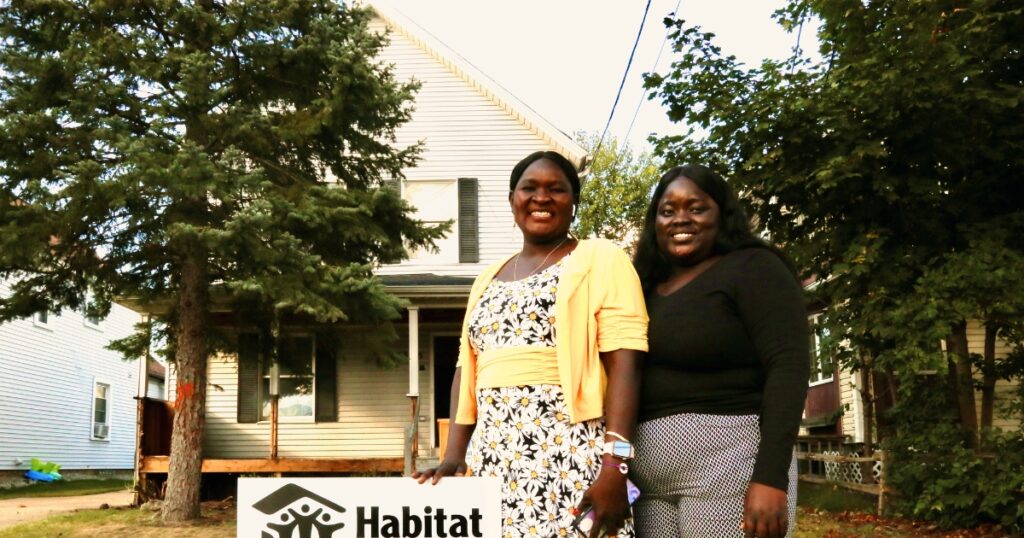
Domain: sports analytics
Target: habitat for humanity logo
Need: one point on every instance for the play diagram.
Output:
(291, 516)
(296, 512)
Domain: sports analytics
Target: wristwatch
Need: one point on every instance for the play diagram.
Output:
(619, 449)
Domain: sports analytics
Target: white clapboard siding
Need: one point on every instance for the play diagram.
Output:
(976, 344)
(1004, 389)
(847, 401)
(373, 408)
(46, 387)
(467, 131)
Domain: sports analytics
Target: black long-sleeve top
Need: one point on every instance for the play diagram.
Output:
(733, 341)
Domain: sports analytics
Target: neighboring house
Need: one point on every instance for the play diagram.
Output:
(156, 373)
(338, 410)
(835, 405)
(63, 397)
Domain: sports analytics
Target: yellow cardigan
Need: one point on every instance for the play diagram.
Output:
(599, 307)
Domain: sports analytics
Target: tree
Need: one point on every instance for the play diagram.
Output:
(197, 152)
(891, 171)
(616, 190)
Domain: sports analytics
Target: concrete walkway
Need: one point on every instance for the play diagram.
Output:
(15, 511)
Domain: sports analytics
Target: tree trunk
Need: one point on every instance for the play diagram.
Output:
(988, 379)
(184, 474)
(964, 382)
(868, 408)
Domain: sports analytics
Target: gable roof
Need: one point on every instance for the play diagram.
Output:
(399, 23)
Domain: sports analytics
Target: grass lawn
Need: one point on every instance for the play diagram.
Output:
(66, 488)
(825, 512)
(218, 522)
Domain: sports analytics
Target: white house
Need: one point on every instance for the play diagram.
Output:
(63, 397)
(356, 416)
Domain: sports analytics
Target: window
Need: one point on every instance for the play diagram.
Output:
(295, 380)
(435, 202)
(41, 319)
(88, 320)
(100, 411)
(822, 367)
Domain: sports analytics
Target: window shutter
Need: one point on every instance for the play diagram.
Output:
(326, 383)
(469, 220)
(248, 378)
(392, 184)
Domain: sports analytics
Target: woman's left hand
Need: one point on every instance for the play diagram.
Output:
(765, 512)
(607, 498)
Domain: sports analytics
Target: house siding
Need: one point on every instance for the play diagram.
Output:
(1004, 389)
(373, 408)
(46, 387)
(465, 133)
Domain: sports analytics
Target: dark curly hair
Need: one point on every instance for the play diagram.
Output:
(560, 161)
(734, 231)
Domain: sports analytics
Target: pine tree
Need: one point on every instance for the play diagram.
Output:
(186, 153)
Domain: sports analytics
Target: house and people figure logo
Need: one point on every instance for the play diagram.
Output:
(294, 512)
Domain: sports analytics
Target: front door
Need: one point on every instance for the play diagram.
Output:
(446, 354)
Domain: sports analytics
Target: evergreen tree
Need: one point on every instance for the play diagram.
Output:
(187, 153)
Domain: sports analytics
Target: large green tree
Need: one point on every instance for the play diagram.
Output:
(891, 170)
(189, 152)
(616, 188)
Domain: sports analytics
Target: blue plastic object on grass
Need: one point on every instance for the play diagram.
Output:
(41, 477)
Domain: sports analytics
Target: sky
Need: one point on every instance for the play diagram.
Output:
(565, 58)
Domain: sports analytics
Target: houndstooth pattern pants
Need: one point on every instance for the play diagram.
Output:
(693, 471)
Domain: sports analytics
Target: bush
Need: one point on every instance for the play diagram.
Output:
(937, 477)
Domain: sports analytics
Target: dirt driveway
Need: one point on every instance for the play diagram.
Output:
(14, 511)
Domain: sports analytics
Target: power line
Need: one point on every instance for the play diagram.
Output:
(654, 68)
(624, 76)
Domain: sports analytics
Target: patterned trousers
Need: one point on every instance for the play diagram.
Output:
(693, 471)
(524, 437)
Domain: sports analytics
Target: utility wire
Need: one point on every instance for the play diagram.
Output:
(624, 76)
(643, 97)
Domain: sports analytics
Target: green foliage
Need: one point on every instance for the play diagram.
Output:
(616, 190)
(938, 478)
(197, 157)
(891, 171)
(251, 135)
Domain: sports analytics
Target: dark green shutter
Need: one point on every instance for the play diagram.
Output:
(469, 220)
(248, 378)
(326, 383)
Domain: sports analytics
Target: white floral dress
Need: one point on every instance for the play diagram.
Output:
(523, 434)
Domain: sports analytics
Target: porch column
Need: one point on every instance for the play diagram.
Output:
(412, 431)
(414, 351)
(139, 491)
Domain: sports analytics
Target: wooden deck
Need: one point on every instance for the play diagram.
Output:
(159, 464)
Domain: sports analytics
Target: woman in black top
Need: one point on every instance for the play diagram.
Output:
(726, 376)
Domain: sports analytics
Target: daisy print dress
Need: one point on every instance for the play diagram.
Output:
(523, 434)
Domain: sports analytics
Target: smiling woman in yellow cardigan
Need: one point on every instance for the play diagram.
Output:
(599, 307)
(546, 392)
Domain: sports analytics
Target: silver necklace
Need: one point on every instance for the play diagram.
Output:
(515, 264)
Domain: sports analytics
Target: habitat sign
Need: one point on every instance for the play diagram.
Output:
(368, 508)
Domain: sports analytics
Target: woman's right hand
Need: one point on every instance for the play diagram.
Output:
(443, 469)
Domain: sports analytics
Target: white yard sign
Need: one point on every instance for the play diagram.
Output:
(368, 508)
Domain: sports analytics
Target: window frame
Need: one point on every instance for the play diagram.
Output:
(267, 370)
(41, 319)
(815, 379)
(96, 382)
